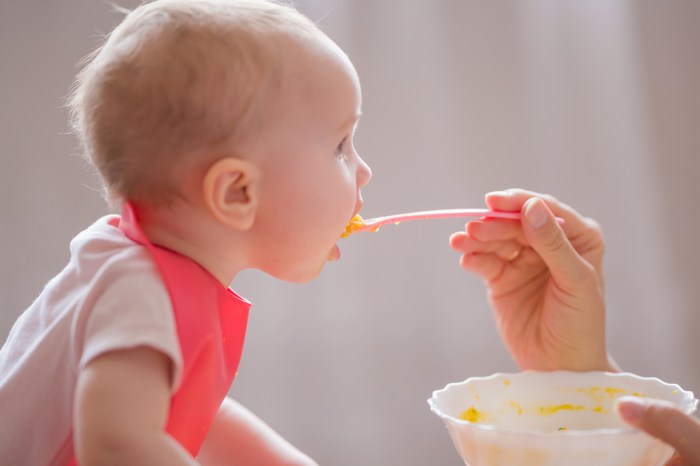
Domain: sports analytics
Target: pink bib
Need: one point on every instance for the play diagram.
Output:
(211, 323)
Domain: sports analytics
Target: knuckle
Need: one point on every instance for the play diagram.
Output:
(594, 226)
(596, 236)
(549, 199)
(554, 240)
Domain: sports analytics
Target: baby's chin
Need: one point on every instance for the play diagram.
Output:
(308, 271)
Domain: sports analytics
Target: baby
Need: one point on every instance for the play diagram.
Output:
(224, 130)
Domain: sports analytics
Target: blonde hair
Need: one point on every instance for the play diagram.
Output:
(176, 77)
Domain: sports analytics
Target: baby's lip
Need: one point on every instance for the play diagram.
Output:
(357, 210)
(334, 254)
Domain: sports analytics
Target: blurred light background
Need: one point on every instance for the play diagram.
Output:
(594, 101)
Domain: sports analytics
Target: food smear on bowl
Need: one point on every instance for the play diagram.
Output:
(517, 406)
(598, 395)
(552, 409)
(473, 415)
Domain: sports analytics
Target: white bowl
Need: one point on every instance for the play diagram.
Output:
(552, 418)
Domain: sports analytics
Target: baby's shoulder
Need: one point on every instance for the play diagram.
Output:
(103, 252)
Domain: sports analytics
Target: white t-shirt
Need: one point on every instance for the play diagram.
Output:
(110, 296)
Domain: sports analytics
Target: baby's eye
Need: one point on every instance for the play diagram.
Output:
(340, 150)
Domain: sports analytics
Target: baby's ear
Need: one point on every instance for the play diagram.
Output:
(229, 192)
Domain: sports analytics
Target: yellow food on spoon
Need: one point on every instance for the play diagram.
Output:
(355, 224)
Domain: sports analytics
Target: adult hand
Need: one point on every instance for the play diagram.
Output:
(666, 422)
(545, 281)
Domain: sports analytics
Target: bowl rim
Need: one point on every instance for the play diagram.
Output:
(688, 408)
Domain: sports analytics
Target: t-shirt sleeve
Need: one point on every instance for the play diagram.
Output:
(132, 310)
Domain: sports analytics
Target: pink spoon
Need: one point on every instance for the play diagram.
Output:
(358, 224)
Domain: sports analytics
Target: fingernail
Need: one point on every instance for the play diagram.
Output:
(513, 255)
(499, 193)
(535, 213)
(632, 408)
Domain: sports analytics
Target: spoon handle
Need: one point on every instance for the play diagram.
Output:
(374, 223)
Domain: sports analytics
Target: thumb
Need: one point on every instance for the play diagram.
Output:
(549, 241)
(664, 421)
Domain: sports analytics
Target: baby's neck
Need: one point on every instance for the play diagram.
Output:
(189, 230)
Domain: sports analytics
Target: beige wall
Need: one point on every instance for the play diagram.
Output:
(596, 102)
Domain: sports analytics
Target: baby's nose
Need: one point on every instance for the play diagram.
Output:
(364, 173)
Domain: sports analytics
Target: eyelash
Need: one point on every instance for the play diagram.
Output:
(340, 150)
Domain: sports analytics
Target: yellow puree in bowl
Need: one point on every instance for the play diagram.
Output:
(473, 414)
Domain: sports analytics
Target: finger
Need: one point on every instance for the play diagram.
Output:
(497, 230)
(513, 200)
(664, 421)
(548, 239)
(488, 266)
(466, 244)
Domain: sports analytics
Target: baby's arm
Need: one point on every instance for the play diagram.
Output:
(121, 408)
(545, 281)
(237, 436)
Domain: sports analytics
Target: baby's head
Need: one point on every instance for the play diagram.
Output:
(175, 83)
(242, 106)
